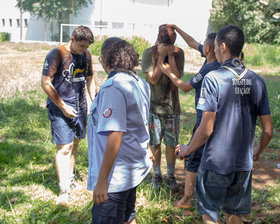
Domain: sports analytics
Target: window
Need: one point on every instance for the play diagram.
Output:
(11, 22)
(18, 23)
(100, 23)
(25, 23)
(117, 25)
(3, 22)
(154, 2)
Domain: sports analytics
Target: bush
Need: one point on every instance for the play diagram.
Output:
(139, 44)
(5, 36)
(260, 55)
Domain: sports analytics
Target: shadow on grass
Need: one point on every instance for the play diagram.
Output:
(47, 212)
(22, 119)
(265, 205)
(10, 199)
(47, 178)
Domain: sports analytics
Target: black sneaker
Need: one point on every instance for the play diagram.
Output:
(171, 181)
(157, 181)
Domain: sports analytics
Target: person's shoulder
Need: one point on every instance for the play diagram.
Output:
(213, 74)
(148, 51)
(255, 75)
(88, 54)
(178, 50)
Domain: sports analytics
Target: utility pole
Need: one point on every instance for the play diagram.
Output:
(45, 21)
(100, 35)
(21, 20)
(72, 19)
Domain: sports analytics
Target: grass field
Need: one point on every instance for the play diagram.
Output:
(28, 182)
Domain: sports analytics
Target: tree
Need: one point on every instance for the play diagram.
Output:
(259, 19)
(58, 10)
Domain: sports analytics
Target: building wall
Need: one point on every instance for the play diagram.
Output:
(118, 17)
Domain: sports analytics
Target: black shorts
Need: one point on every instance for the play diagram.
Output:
(119, 208)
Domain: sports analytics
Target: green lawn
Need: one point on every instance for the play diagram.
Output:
(28, 182)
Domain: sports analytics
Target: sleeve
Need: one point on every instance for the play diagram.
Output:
(90, 70)
(208, 100)
(147, 60)
(196, 80)
(112, 113)
(263, 106)
(52, 62)
(200, 48)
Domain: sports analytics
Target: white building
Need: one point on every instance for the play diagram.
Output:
(114, 18)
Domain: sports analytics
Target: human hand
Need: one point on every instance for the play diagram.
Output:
(170, 49)
(162, 50)
(181, 151)
(100, 193)
(165, 68)
(69, 111)
(172, 26)
(257, 153)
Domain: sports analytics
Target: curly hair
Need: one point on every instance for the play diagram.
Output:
(121, 55)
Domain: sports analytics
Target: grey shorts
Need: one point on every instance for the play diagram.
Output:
(230, 193)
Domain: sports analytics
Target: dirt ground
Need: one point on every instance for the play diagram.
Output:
(21, 70)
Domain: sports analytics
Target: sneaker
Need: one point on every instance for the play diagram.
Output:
(74, 185)
(63, 197)
(171, 181)
(157, 181)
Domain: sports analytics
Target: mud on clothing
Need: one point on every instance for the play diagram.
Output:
(69, 72)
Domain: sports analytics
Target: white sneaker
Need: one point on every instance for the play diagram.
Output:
(74, 185)
(63, 198)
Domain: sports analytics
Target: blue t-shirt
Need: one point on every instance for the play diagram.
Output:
(238, 96)
(196, 81)
(122, 104)
(69, 72)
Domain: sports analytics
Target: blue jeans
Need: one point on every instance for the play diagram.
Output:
(119, 208)
(230, 193)
(65, 129)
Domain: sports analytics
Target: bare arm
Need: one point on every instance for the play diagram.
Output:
(189, 39)
(267, 132)
(111, 151)
(91, 86)
(46, 84)
(185, 86)
(201, 135)
(172, 62)
(155, 75)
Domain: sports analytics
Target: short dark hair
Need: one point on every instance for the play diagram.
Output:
(83, 33)
(121, 55)
(233, 37)
(210, 39)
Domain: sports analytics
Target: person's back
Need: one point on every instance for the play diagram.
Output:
(240, 95)
(231, 99)
(135, 113)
